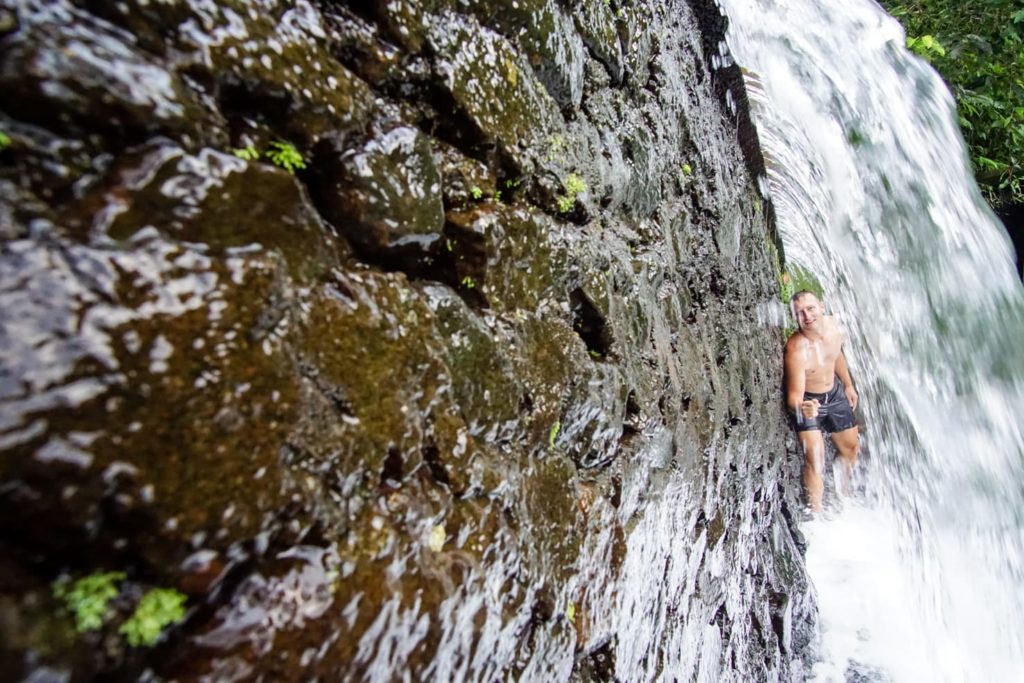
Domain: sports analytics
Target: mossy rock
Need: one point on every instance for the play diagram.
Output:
(508, 254)
(211, 198)
(490, 85)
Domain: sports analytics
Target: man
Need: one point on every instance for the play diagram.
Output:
(820, 393)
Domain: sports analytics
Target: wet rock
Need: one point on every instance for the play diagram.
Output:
(490, 85)
(596, 24)
(399, 413)
(465, 179)
(384, 196)
(63, 67)
(551, 44)
(491, 249)
(211, 198)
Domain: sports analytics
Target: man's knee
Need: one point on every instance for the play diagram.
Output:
(814, 449)
(847, 443)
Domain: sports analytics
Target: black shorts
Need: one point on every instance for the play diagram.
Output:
(834, 412)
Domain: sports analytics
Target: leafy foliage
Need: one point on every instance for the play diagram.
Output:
(978, 47)
(285, 155)
(5, 141)
(87, 598)
(249, 153)
(158, 608)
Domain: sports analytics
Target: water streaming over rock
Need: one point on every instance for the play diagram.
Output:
(407, 340)
(873, 192)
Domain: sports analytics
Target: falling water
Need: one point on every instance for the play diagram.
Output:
(920, 579)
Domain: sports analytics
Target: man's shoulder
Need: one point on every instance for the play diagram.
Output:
(795, 342)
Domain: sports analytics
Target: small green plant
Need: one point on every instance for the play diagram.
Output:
(468, 282)
(574, 186)
(88, 597)
(284, 155)
(512, 183)
(925, 46)
(476, 192)
(5, 141)
(570, 611)
(160, 607)
(595, 354)
(249, 153)
(553, 434)
(687, 171)
(497, 196)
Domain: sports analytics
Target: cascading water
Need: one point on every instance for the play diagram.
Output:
(920, 579)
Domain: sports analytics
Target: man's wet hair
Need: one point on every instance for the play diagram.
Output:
(802, 293)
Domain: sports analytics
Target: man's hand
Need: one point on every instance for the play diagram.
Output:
(851, 396)
(809, 409)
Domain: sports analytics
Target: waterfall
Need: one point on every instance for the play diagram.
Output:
(873, 192)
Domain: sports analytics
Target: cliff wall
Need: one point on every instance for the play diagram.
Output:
(407, 341)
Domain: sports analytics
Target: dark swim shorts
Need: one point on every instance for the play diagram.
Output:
(834, 411)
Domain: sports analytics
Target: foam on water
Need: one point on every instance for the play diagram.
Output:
(869, 614)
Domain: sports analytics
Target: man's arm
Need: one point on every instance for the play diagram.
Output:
(843, 373)
(795, 376)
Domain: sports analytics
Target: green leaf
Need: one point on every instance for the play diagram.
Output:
(553, 434)
(158, 609)
(249, 153)
(88, 597)
(5, 141)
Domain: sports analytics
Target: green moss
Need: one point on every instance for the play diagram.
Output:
(88, 597)
(5, 141)
(574, 186)
(476, 192)
(158, 609)
(687, 170)
(284, 155)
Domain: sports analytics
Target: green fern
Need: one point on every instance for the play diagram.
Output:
(284, 155)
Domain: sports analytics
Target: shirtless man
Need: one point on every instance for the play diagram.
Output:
(820, 393)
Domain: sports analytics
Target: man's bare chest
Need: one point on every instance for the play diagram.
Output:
(820, 364)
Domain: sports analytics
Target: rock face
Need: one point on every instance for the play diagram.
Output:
(408, 340)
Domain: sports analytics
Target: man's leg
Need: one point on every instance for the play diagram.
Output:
(814, 463)
(848, 445)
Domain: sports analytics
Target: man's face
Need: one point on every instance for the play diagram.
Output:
(807, 310)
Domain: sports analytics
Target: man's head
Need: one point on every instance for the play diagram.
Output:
(807, 310)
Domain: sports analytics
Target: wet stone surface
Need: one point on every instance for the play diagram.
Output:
(393, 337)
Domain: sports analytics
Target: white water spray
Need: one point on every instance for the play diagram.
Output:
(873, 192)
